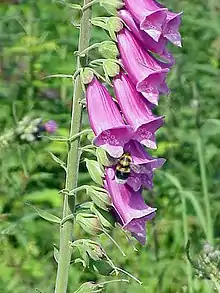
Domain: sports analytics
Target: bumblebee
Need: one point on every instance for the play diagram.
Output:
(123, 168)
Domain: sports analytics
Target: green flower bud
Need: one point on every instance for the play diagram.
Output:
(115, 24)
(87, 75)
(100, 198)
(89, 223)
(111, 68)
(108, 49)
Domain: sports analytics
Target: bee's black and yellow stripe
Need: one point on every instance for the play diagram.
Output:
(123, 167)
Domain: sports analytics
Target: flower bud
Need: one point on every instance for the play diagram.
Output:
(89, 223)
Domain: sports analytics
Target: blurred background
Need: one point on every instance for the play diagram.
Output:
(38, 38)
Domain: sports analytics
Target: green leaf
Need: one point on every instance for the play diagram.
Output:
(56, 253)
(58, 161)
(95, 171)
(45, 215)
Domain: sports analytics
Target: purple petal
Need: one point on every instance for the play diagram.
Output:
(106, 120)
(171, 28)
(130, 207)
(148, 15)
(143, 69)
(146, 41)
(136, 111)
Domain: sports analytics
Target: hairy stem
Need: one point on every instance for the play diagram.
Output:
(72, 161)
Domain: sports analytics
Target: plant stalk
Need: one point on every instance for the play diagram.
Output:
(72, 160)
(200, 149)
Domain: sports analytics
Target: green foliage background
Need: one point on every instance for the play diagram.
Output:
(37, 38)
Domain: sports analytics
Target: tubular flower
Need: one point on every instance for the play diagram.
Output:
(148, 15)
(136, 111)
(143, 166)
(171, 28)
(146, 41)
(106, 120)
(129, 206)
(147, 73)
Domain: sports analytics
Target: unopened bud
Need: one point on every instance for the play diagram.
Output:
(89, 223)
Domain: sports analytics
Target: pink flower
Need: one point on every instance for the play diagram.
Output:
(148, 15)
(143, 166)
(147, 73)
(171, 28)
(146, 41)
(50, 126)
(136, 111)
(129, 206)
(106, 120)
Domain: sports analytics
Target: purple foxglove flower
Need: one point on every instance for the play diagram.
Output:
(106, 120)
(143, 166)
(129, 206)
(50, 126)
(136, 111)
(147, 42)
(148, 15)
(171, 28)
(145, 71)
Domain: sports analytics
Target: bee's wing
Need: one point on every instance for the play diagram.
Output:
(139, 168)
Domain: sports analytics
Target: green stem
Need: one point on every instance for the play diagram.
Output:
(186, 235)
(72, 161)
(89, 5)
(209, 229)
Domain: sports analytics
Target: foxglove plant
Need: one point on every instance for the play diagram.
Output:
(124, 127)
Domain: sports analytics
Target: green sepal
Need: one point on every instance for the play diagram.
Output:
(94, 171)
(107, 219)
(111, 67)
(100, 198)
(104, 158)
(90, 287)
(100, 22)
(101, 267)
(45, 215)
(111, 5)
(86, 75)
(108, 49)
(89, 223)
(115, 24)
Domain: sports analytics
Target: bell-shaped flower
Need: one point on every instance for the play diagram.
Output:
(148, 15)
(130, 208)
(136, 112)
(171, 28)
(146, 41)
(106, 120)
(145, 71)
(142, 167)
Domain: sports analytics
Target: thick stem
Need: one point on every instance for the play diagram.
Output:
(72, 161)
